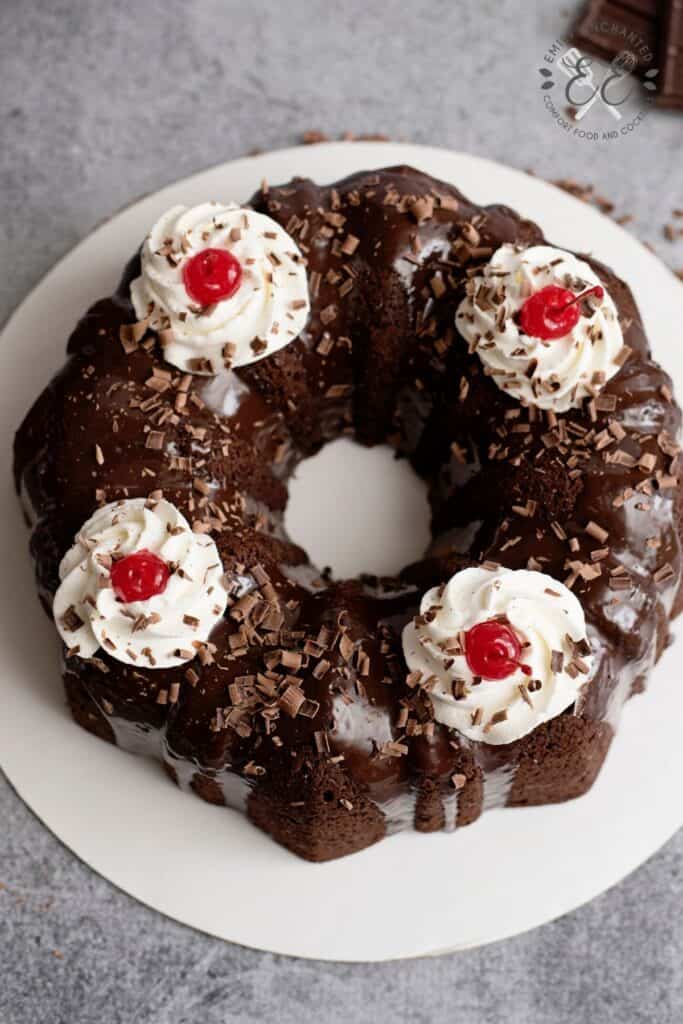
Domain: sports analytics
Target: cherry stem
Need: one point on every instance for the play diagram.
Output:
(596, 290)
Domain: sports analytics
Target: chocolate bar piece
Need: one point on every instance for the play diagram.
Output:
(671, 50)
(607, 28)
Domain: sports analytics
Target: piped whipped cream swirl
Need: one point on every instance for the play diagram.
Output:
(555, 662)
(268, 310)
(553, 374)
(160, 632)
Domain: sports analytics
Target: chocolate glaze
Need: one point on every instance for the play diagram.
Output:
(328, 784)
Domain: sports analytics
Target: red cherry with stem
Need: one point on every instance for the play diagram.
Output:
(552, 312)
(212, 275)
(493, 650)
(139, 576)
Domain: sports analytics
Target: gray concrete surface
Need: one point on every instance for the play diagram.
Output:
(102, 101)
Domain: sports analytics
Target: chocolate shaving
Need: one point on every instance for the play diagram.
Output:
(664, 574)
(556, 662)
(309, 708)
(291, 701)
(71, 620)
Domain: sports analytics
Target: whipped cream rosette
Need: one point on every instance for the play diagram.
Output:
(564, 352)
(501, 650)
(140, 585)
(223, 286)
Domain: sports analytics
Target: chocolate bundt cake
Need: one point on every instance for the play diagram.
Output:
(515, 377)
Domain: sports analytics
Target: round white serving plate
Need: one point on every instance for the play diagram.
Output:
(412, 894)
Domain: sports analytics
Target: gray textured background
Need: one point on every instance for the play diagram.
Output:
(100, 102)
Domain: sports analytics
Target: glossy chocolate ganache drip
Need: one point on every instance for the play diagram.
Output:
(296, 704)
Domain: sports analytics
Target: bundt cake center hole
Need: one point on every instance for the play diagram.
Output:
(358, 510)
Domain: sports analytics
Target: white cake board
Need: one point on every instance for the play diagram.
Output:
(207, 867)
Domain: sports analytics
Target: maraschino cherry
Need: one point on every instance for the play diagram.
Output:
(139, 576)
(493, 650)
(553, 311)
(212, 275)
